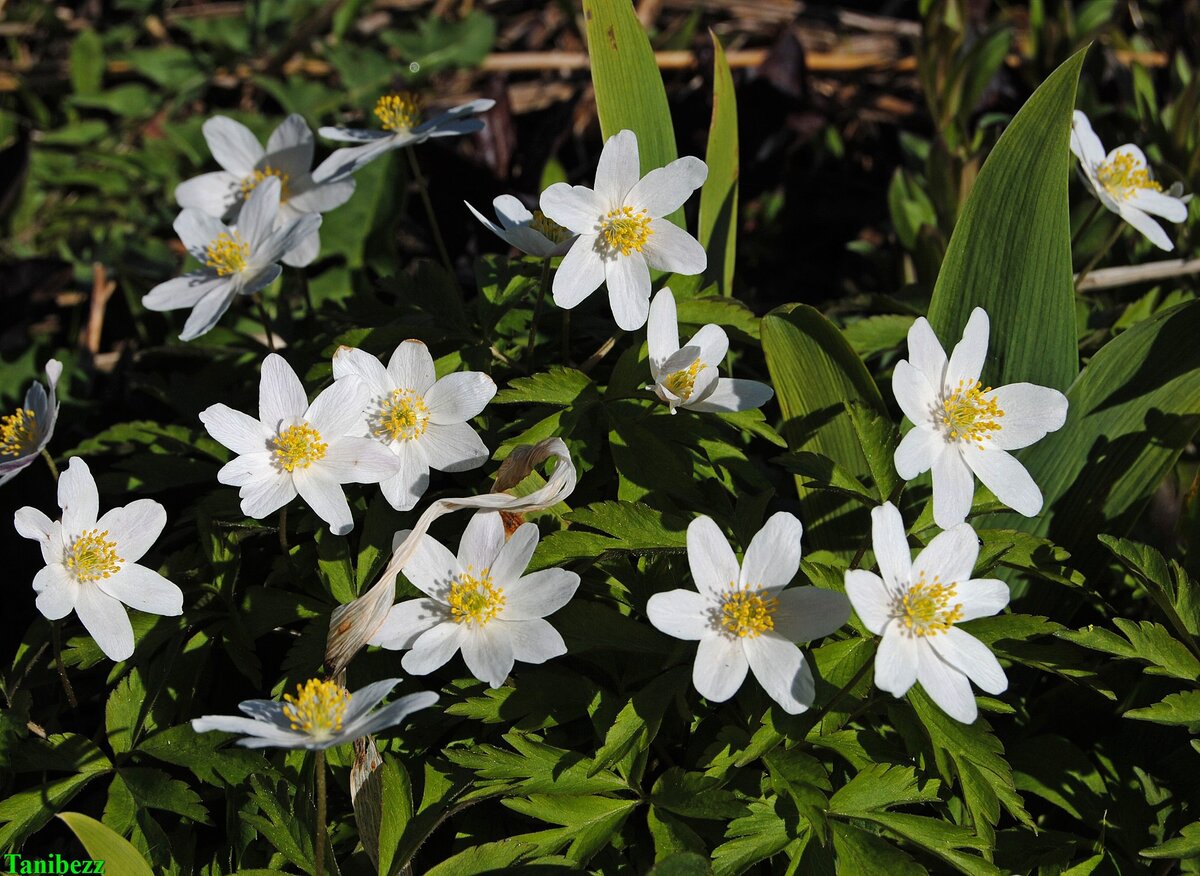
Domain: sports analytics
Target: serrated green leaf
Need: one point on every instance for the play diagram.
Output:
(87, 62)
(1186, 845)
(880, 786)
(486, 858)
(681, 864)
(765, 832)
(588, 822)
(25, 812)
(558, 386)
(878, 437)
(637, 723)
(718, 229)
(818, 472)
(860, 853)
(104, 844)
(1176, 708)
(940, 838)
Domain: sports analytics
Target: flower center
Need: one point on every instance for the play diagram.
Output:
(252, 181)
(399, 112)
(746, 613)
(92, 556)
(967, 415)
(475, 600)
(927, 608)
(318, 708)
(548, 228)
(625, 231)
(681, 383)
(18, 433)
(299, 447)
(401, 416)
(1124, 175)
(227, 253)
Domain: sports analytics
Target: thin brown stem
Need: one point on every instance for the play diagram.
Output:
(537, 311)
(56, 642)
(423, 188)
(1100, 253)
(1091, 217)
(283, 542)
(320, 834)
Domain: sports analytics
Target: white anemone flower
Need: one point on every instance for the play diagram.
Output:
(321, 715)
(1121, 180)
(743, 617)
(423, 421)
(298, 448)
(687, 377)
(532, 233)
(246, 164)
(236, 262)
(479, 602)
(28, 429)
(400, 117)
(964, 427)
(622, 232)
(915, 607)
(91, 561)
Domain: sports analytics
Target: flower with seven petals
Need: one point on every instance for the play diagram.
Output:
(29, 428)
(743, 617)
(964, 427)
(622, 230)
(298, 448)
(91, 561)
(916, 606)
(531, 233)
(479, 602)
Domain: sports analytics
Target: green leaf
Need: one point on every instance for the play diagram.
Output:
(818, 472)
(860, 853)
(154, 789)
(123, 713)
(1175, 594)
(533, 767)
(874, 334)
(940, 838)
(87, 62)
(766, 831)
(1176, 708)
(1186, 845)
(485, 858)
(878, 437)
(589, 822)
(1010, 252)
(695, 795)
(558, 386)
(25, 812)
(637, 723)
(205, 755)
(104, 844)
(719, 195)
(1147, 641)
(882, 785)
(681, 864)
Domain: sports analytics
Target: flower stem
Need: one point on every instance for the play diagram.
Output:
(537, 310)
(320, 834)
(820, 714)
(1086, 223)
(50, 462)
(283, 542)
(1100, 253)
(62, 669)
(262, 315)
(423, 188)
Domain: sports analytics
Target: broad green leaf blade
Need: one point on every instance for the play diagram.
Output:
(719, 196)
(815, 372)
(105, 844)
(1011, 249)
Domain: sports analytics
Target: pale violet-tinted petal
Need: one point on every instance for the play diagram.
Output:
(257, 279)
(266, 494)
(481, 542)
(453, 447)
(781, 670)
(917, 451)
(143, 589)
(325, 496)
(806, 614)
(683, 614)
(890, 544)
(406, 621)
(870, 597)
(1030, 411)
(1159, 204)
(304, 252)
(57, 591)
(488, 654)
(981, 597)
(712, 561)
(433, 648)
(720, 667)
(78, 498)
(1147, 226)
(353, 135)
(662, 330)
(1084, 142)
(284, 238)
(773, 556)
(344, 163)
(953, 487)
(946, 686)
(290, 146)
(539, 594)
(134, 528)
(950, 555)
(966, 360)
(212, 193)
(352, 460)
(232, 144)
(366, 698)
(896, 662)
(533, 640)
(618, 170)
(579, 274)
(732, 394)
(106, 621)
(337, 410)
(255, 730)
(1001, 473)
(256, 220)
(411, 367)
(576, 208)
(628, 279)
(323, 196)
(240, 432)
(432, 568)
(917, 399)
(351, 363)
(515, 554)
(665, 189)
(281, 396)
(208, 311)
(458, 397)
(405, 488)
(925, 352)
(670, 248)
(393, 713)
(972, 658)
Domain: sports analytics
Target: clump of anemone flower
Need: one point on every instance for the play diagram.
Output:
(26, 431)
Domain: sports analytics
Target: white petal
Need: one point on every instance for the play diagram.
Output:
(1143, 223)
(1159, 204)
(337, 410)
(57, 591)
(618, 171)
(353, 135)
(511, 212)
(953, 487)
(405, 488)
(432, 568)
(720, 668)
(891, 546)
(1084, 142)
(580, 273)
(256, 220)
(211, 193)
(683, 614)
(713, 344)
(281, 396)
(966, 361)
(482, 540)
(411, 367)
(351, 363)
(664, 189)
(782, 671)
(533, 640)
(266, 495)
(358, 461)
(305, 251)
(323, 196)
(982, 597)
(539, 594)
(946, 686)
(285, 237)
(364, 699)
(257, 279)
(453, 447)
(917, 451)
(232, 145)
(1030, 411)
(144, 589)
(515, 555)
(240, 432)
(406, 621)
(254, 729)
(670, 248)
(732, 394)
(576, 208)
(290, 146)
(870, 597)
(1008, 479)
(950, 555)
(458, 397)
(134, 528)
(33, 524)
(662, 330)
(806, 614)
(324, 495)
(925, 352)
(106, 621)
(712, 561)
(247, 469)
(628, 279)
(394, 713)
(488, 654)
(972, 658)
(208, 311)
(896, 662)
(917, 399)
(773, 557)
(433, 648)
(78, 498)
(197, 230)
(183, 291)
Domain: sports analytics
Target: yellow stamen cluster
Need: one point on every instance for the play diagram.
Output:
(92, 556)
(299, 447)
(401, 416)
(1124, 175)
(250, 182)
(548, 228)
(399, 112)
(746, 613)
(317, 708)
(18, 433)
(475, 599)
(625, 231)
(967, 415)
(927, 608)
(681, 383)
(228, 253)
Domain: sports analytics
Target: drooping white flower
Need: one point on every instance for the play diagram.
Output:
(1121, 180)
(479, 602)
(298, 448)
(400, 117)
(914, 608)
(321, 715)
(91, 561)
(687, 377)
(236, 262)
(743, 617)
(29, 428)
(245, 165)
(423, 421)
(531, 233)
(622, 232)
(963, 426)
